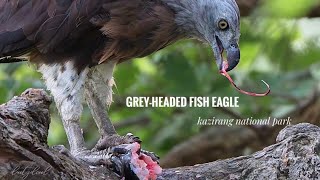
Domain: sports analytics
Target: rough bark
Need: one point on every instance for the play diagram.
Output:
(239, 140)
(24, 153)
(294, 156)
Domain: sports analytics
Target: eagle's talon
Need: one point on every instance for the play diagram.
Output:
(133, 138)
(121, 149)
(121, 159)
(62, 150)
(117, 166)
(94, 158)
(115, 140)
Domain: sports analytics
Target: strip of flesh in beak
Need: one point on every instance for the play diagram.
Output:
(225, 73)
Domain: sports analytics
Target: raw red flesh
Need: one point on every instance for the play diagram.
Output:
(224, 73)
(142, 165)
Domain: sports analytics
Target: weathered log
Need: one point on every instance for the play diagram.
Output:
(296, 155)
(239, 140)
(24, 153)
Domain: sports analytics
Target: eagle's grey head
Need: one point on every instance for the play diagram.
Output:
(216, 22)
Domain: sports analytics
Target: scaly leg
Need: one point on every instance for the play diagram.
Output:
(98, 94)
(66, 85)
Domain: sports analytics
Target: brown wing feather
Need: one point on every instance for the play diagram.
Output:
(41, 23)
(89, 31)
(137, 29)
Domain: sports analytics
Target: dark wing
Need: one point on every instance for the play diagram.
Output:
(86, 30)
(42, 24)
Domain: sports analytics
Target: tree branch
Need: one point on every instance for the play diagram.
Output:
(24, 153)
(236, 141)
(295, 156)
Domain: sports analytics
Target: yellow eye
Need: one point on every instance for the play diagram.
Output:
(223, 24)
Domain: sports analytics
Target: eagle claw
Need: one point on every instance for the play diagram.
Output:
(125, 157)
(116, 140)
(118, 158)
(62, 149)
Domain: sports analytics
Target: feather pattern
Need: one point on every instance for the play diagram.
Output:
(89, 31)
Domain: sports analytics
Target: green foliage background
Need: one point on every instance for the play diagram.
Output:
(274, 48)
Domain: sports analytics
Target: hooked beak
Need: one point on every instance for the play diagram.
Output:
(233, 54)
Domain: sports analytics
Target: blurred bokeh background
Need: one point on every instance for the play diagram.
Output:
(280, 43)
